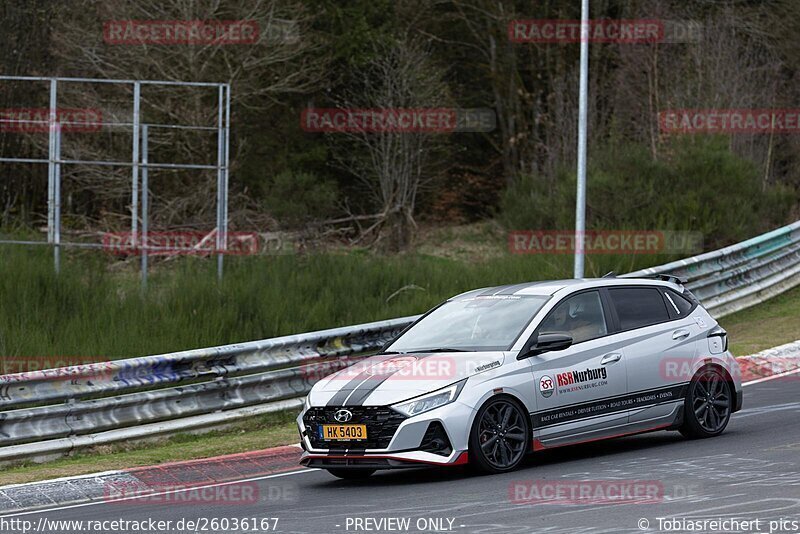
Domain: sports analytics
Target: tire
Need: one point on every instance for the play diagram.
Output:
(708, 404)
(351, 474)
(500, 436)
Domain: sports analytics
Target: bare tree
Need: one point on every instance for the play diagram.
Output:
(533, 86)
(283, 59)
(393, 164)
(726, 65)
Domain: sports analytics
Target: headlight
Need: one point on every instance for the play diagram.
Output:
(429, 401)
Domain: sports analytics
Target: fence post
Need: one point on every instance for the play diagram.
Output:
(145, 203)
(51, 163)
(225, 164)
(220, 237)
(135, 167)
(57, 201)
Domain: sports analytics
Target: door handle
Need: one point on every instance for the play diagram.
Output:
(611, 358)
(680, 334)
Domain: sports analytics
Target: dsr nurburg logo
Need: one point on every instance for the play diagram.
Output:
(343, 416)
(546, 386)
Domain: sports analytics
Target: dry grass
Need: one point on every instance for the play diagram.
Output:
(466, 243)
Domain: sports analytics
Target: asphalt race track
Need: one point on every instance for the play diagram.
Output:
(751, 472)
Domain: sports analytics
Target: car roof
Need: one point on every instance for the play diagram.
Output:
(551, 287)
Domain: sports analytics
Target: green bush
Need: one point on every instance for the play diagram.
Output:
(697, 185)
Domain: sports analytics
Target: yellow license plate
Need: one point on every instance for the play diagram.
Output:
(343, 432)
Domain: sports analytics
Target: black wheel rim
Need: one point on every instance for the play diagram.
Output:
(711, 401)
(501, 434)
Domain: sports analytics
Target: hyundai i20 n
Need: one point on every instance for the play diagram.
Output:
(493, 374)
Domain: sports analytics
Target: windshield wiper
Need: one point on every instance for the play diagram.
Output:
(438, 349)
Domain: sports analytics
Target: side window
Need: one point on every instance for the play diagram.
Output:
(679, 304)
(638, 306)
(580, 316)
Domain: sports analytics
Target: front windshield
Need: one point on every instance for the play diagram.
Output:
(473, 324)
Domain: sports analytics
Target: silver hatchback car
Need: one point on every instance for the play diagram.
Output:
(493, 374)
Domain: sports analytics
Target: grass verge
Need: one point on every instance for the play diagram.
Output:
(767, 325)
(262, 432)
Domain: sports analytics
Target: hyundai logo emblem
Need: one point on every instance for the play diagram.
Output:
(343, 416)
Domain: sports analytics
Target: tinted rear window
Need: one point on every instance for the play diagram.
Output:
(638, 306)
(680, 305)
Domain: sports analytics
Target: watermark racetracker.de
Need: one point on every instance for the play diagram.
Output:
(164, 492)
(592, 492)
(407, 367)
(604, 242)
(183, 243)
(598, 492)
(415, 367)
(43, 368)
(180, 32)
(403, 120)
(714, 121)
(200, 32)
(37, 120)
(623, 31)
(194, 493)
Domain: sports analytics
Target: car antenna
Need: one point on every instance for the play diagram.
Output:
(610, 274)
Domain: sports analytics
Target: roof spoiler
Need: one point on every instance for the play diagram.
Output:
(680, 280)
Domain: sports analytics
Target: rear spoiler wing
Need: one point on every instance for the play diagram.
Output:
(679, 280)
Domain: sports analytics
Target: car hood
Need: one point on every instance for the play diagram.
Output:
(387, 379)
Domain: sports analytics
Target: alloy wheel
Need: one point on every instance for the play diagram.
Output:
(711, 401)
(501, 434)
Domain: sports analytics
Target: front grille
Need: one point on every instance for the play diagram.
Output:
(382, 423)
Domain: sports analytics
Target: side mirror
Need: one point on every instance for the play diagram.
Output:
(545, 342)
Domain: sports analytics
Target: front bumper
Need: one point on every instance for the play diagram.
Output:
(400, 460)
(395, 441)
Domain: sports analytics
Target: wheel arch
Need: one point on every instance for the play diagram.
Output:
(719, 367)
(514, 398)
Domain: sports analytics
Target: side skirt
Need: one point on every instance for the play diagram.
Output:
(670, 421)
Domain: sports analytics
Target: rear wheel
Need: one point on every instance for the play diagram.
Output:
(351, 474)
(707, 408)
(499, 437)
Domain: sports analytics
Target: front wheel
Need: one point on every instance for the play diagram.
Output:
(708, 403)
(499, 437)
(351, 474)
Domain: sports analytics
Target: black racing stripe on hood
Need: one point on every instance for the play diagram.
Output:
(340, 396)
(368, 383)
(365, 389)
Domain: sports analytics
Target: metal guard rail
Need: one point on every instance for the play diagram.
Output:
(47, 414)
